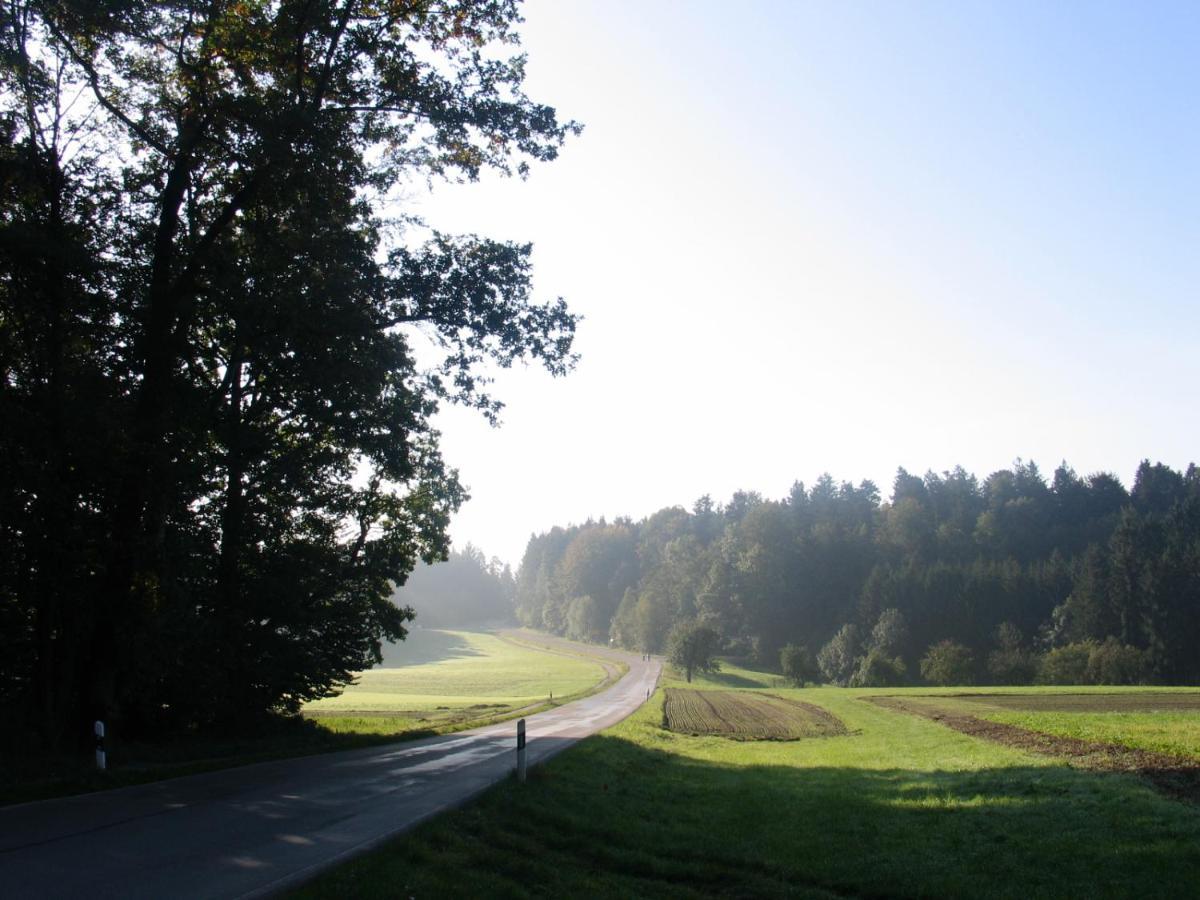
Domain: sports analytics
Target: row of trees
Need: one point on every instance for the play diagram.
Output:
(222, 340)
(1018, 572)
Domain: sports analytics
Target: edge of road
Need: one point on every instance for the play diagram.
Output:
(302, 876)
(524, 637)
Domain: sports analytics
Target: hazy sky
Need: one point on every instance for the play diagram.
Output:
(844, 237)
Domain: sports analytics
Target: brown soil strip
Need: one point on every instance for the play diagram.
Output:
(825, 721)
(1173, 775)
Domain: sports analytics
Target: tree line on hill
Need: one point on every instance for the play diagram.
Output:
(1012, 579)
(466, 590)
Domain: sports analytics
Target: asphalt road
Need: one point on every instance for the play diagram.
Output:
(258, 829)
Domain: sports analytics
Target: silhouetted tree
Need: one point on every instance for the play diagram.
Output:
(227, 457)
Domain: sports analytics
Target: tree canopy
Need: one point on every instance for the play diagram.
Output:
(222, 339)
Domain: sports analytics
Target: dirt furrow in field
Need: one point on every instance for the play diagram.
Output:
(1173, 775)
(714, 714)
(825, 721)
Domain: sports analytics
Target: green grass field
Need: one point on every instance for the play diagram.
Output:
(901, 806)
(438, 679)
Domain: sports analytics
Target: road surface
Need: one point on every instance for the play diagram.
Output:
(255, 830)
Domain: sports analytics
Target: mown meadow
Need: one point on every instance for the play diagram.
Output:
(898, 806)
(441, 680)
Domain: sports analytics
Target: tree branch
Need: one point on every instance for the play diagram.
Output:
(93, 78)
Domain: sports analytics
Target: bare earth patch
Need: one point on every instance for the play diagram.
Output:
(746, 716)
(1173, 775)
(1141, 701)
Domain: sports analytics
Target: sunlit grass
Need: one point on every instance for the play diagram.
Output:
(443, 680)
(1177, 733)
(483, 669)
(899, 807)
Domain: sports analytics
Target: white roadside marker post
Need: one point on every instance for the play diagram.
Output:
(101, 756)
(521, 751)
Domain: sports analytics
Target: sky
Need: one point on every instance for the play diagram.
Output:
(842, 237)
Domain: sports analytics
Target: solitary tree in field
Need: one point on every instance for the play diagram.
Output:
(692, 646)
(948, 662)
(798, 664)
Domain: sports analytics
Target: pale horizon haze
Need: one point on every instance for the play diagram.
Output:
(827, 237)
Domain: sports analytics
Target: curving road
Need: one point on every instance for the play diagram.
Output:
(254, 830)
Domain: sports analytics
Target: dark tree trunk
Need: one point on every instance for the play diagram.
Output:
(229, 587)
(135, 539)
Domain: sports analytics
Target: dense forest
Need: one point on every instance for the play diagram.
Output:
(1010, 579)
(465, 590)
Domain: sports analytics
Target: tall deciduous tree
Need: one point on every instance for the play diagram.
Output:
(209, 317)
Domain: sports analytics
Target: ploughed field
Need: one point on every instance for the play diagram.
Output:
(745, 716)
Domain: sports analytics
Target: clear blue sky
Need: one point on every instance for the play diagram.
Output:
(844, 237)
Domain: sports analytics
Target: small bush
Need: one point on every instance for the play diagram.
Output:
(1067, 664)
(1115, 663)
(877, 669)
(839, 658)
(1012, 666)
(948, 662)
(798, 664)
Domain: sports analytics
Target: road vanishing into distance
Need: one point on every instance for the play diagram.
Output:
(256, 830)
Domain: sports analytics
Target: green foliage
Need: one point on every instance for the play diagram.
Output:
(839, 658)
(877, 669)
(890, 632)
(692, 647)
(1011, 662)
(583, 620)
(1067, 664)
(798, 665)
(948, 662)
(1092, 662)
(1065, 560)
(1115, 663)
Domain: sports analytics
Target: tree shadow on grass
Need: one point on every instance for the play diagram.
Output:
(424, 646)
(614, 818)
(728, 679)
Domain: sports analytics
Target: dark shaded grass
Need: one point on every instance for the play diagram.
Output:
(432, 645)
(614, 818)
(26, 775)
